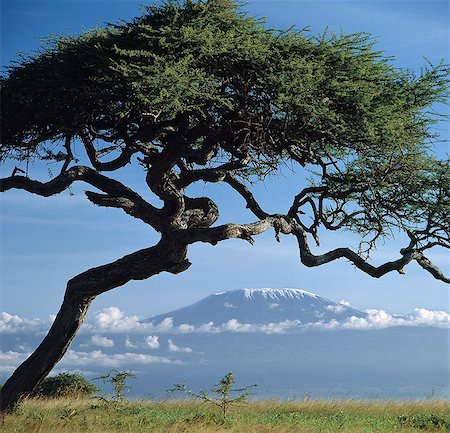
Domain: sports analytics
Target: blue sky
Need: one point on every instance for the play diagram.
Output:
(44, 242)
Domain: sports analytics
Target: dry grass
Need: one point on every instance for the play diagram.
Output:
(182, 416)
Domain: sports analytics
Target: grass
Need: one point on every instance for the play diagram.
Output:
(308, 416)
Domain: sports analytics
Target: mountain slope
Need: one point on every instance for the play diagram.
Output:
(260, 306)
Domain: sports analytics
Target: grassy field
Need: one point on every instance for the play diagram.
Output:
(309, 416)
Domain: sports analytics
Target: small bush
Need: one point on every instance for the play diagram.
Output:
(65, 385)
(118, 380)
(223, 390)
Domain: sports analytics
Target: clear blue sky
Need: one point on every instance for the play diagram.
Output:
(44, 242)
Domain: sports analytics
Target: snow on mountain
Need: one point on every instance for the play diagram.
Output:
(278, 293)
(260, 306)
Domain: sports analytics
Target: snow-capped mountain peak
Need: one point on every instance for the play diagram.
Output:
(260, 306)
(277, 294)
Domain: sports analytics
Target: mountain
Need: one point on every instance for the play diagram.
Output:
(260, 306)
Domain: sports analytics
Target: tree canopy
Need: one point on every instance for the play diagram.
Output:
(197, 91)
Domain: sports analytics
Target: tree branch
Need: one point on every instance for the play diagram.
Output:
(408, 254)
(69, 156)
(135, 205)
(213, 235)
(215, 174)
(135, 209)
(252, 204)
(282, 224)
(298, 199)
(122, 160)
(139, 265)
(431, 268)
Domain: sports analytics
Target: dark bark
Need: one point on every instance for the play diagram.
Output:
(282, 224)
(34, 369)
(181, 221)
(81, 291)
(122, 160)
(133, 203)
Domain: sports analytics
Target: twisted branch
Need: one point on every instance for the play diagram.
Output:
(252, 204)
(118, 195)
(283, 224)
(122, 160)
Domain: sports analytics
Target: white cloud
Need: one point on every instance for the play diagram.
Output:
(10, 360)
(165, 325)
(6, 368)
(24, 347)
(112, 319)
(129, 344)
(207, 327)
(11, 356)
(421, 316)
(273, 305)
(13, 324)
(379, 319)
(98, 358)
(228, 305)
(374, 319)
(234, 325)
(100, 341)
(183, 328)
(152, 341)
(174, 348)
(280, 327)
(335, 308)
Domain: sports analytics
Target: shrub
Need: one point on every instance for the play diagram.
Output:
(65, 385)
(118, 380)
(223, 393)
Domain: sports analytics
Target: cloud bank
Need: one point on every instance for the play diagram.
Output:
(112, 320)
(380, 319)
(75, 358)
(9, 360)
(98, 340)
(13, 324)
(105, 345)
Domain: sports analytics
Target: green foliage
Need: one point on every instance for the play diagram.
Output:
(72, 385)
(118, 381)
(208, 60)
(223, 393)
(222, 82)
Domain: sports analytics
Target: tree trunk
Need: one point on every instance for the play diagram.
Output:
(56, 343)
(81, 291)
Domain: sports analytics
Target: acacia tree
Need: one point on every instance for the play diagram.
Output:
(196, 91)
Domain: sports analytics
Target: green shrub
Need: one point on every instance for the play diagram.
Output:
(118, 380)
(223, 390)
(65, 385)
